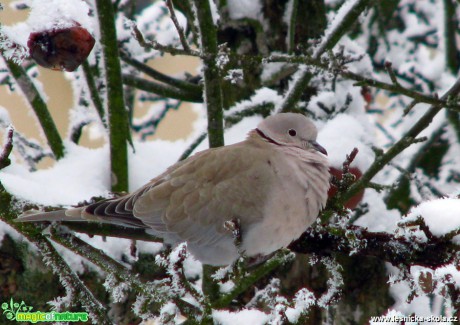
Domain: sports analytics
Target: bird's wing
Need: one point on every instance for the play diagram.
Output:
(195, 198)
(191, 200)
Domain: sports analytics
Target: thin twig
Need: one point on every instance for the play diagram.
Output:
(292, 25)
(391, 73)
(349, 159)
(193, 146)
(94, 92)
(181, 84)
(381, 161)
(409, 107)
(329, 41)
(281, 258)
(179, 28)
(159, 47)
(361, 81)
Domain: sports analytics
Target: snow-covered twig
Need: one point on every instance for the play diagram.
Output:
(388, 247)
(347, 16)
(262, 270)
(179, 28)
(7, 148)
(160, 47)
(360, 79)
(407, 140)
(76, 290)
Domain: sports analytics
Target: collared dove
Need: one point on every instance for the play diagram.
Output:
(274, 183)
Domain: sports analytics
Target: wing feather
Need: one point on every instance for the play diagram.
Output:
(212, 187)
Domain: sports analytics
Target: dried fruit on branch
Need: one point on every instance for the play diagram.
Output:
(61, 48)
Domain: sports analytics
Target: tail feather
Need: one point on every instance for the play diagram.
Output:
(58, 215)
(79, 215)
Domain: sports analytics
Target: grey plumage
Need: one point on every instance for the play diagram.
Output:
(275, 182)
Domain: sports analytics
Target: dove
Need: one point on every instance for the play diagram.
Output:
(273, 184)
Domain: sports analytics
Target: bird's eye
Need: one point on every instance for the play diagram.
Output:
(292, 132)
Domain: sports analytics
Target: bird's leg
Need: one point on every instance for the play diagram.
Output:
(234, 226)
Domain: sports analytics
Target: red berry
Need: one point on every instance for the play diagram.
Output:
(354, 201)
(61, 49)
(367, 95)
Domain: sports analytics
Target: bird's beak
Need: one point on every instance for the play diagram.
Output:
(318, 147)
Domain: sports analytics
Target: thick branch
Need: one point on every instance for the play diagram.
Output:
(39, 106)
(161, 90)
(450, 31)
(212, 79)
(382, 245)
(118, 115)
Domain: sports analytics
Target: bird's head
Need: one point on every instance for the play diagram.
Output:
(290, 129)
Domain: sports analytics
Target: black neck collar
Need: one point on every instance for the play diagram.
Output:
(266, 138)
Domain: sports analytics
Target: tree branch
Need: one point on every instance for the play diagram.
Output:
(94, 92)
(248, 280)
(361, 81)
(78, 291)
(381, 161)
(118, 115)
(331, 38)
(179, 28)
(7, 148)
(39, 106)
(181, 84)
(161, 90)
(160, 47)
(212, 80)
(384, 246)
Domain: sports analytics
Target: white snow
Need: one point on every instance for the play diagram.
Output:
(340, 135)
(238, 9)
(50, 14)
(245, 316)
(214, 12)
(334, 24)
(303, 300)
(261, 96)
(80, 175)
(374, 219)
(441, 216)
